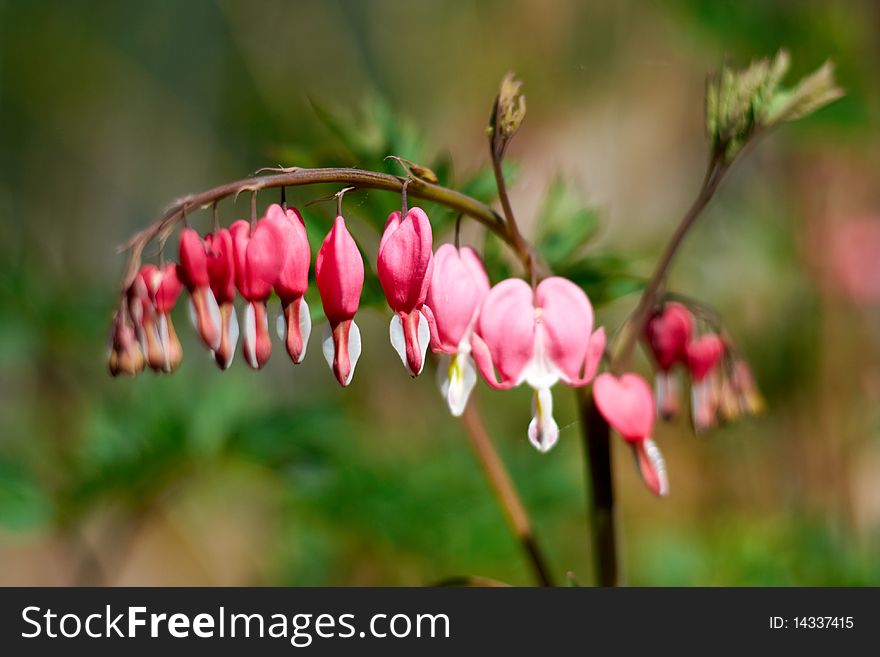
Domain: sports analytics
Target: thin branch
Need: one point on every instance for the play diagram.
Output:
(293, 177)
(502, 486)
(634, 327)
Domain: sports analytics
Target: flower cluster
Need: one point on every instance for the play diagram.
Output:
(722, 387)
(511, 333)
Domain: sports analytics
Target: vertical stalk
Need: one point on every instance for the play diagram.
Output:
(600, 492)
(502, 486)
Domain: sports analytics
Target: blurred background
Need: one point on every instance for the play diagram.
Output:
(109, 111)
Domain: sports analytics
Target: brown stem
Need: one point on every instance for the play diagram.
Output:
(295, 177)
(502, 486)
(516, 240)
(600, 493)
(634, 327)
(594, 428)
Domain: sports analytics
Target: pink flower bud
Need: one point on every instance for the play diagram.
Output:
(294, 323)
(540, 338)
(667, 334)
(339, 272)
(458, 286)
(195, 275)
(627, 405)
(258, 256)
(404, 268)
(703, 358)
(221, 272)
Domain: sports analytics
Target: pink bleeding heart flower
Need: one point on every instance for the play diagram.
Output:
(194, 275)
(258, 255)
(667, 334)
(294, 323)
(540, 338)
(459, 285)
(703, 357)
(221, 275)
(404, 267)
(627, 405)
(339, 271)
(151, 298)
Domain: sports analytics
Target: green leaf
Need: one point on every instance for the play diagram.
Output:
(741, 102)
(565, 225)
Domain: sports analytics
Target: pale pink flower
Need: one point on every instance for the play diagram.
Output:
(539, 338)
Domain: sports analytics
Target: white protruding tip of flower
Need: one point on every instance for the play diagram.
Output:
(164, 340)
(305, 327)
(249, 342)
(214, 311)
(543, 430)
(457, 377)
(702, 405)
(328, 347)
(233, 338)
(398, 340)
(655, 458)
(193, 316)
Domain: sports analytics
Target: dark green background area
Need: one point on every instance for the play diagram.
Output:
(110, 110)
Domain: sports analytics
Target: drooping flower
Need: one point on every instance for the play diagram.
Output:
(703, 357)
(339, 271)
(404, 267)
(151, 298)
(294, 322)
(540, 338)
(627, 405)
(126, 356)
(459, 285)
(195, 276)
(258, 255)
(667, 334)
(221, 274)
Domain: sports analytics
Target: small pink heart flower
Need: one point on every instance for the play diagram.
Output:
(627, 405)
(258, 255)
(194, 274)
(459, 285)
(667, 334)
(151, 297)
(221, 274)
(294, 323)
(703, 358)
(339, 271)
(539, 338)
(404, 267)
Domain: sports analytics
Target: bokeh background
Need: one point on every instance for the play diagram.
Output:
(108, 111)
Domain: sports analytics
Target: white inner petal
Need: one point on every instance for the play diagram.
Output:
(305, 326)
(540, 372)
(327, 346)
(354, 349)
(461, 377)
(233, 336)
(659, 465)
(543, 430)
(192, 314)
(250, 335)
(281, 326)
(214, 312)
(398, 341)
